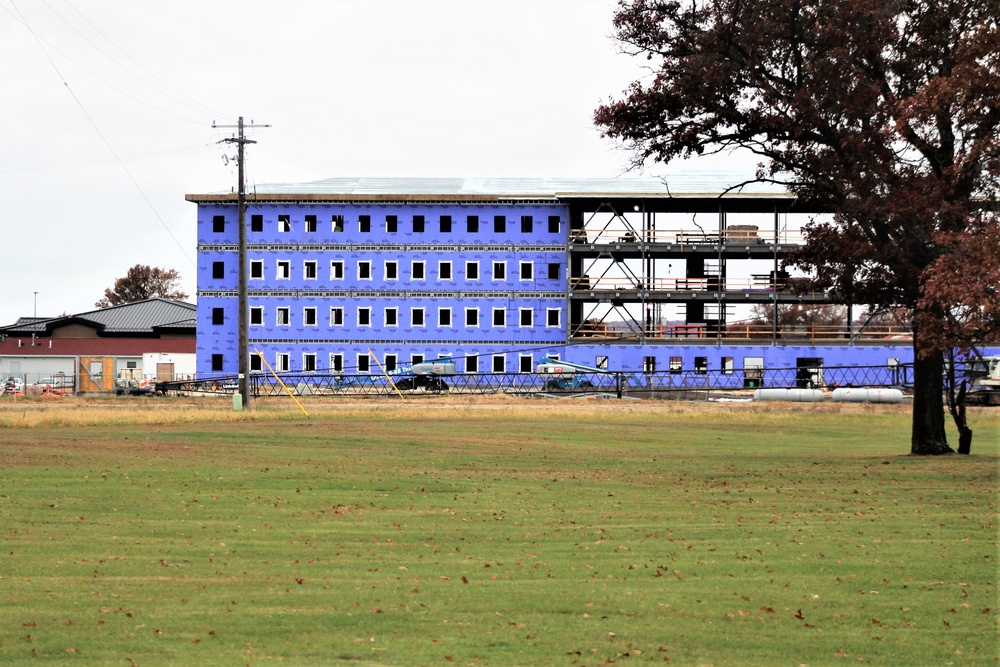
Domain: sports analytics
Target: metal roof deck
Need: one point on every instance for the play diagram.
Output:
(698, 185)
(140, 317)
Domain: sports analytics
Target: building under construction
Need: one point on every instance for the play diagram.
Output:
(622, 274)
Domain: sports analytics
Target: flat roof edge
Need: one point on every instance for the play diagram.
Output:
(554, 197)
(288, 197)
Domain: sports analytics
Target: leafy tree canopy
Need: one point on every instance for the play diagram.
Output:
(143, 282)
(883, 112)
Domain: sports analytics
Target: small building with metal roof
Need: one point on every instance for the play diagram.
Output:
(89, 350)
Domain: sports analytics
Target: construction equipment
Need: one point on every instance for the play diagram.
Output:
(984, 376)
(13, 385)
(424, 375)
(565, 374)
(131, 383)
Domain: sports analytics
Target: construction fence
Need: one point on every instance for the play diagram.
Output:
(619, 384)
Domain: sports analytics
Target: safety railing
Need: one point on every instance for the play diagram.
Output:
(737, 235)
(764, 283)
(744, 332)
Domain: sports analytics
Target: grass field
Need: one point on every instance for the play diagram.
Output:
(149, 532)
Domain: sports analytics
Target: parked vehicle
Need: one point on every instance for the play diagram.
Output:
(61, 382)
(13, 385)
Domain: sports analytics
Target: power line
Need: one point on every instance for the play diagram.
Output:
(96, 161)
(39, 39)
(108, 144)
(200, 107)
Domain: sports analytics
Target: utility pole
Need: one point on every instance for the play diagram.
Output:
(243, 342)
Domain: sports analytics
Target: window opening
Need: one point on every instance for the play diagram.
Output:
(753, 372)
(281, 361)
(808, 372)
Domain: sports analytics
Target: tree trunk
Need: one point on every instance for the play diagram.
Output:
(956, 406)
(964, 440)
(928, 435)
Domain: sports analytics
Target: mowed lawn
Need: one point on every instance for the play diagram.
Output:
(492, 533)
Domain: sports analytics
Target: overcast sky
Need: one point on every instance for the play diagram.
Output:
(107, 109)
